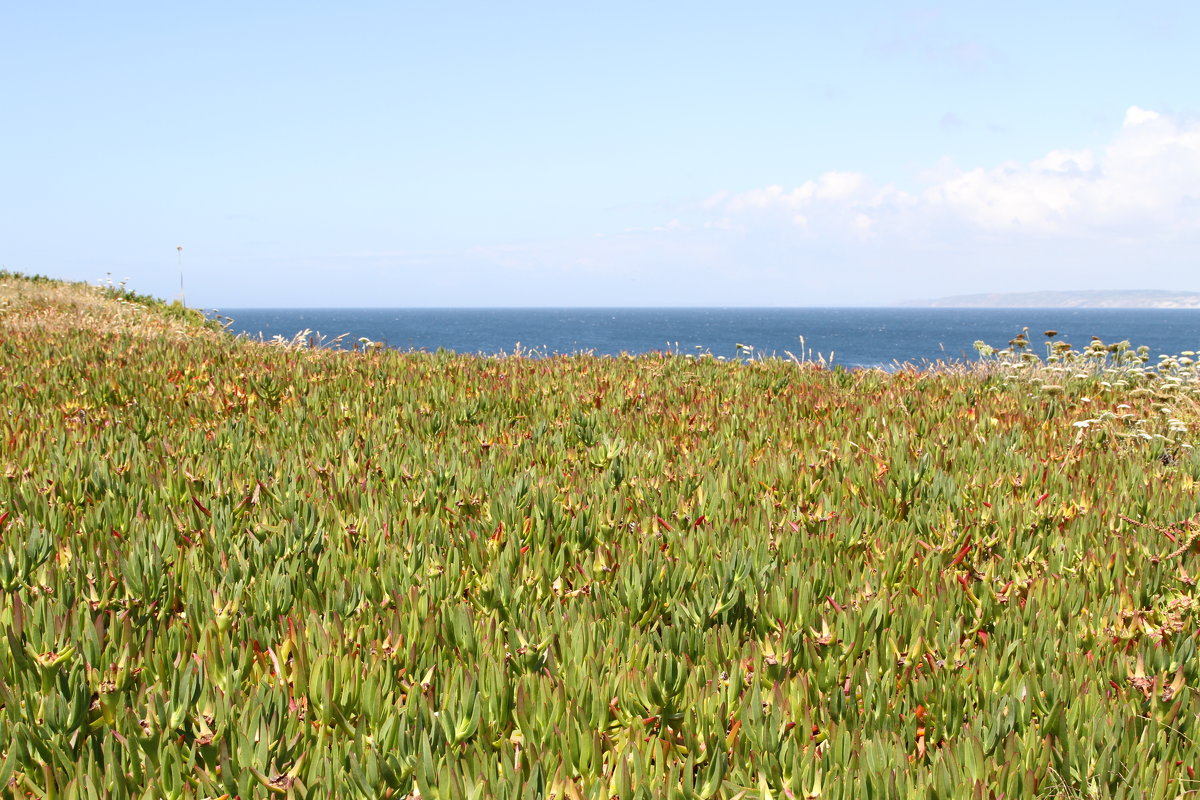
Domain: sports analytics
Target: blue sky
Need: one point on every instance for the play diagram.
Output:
(476, 154)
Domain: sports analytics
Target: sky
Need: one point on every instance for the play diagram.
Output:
(397, 154)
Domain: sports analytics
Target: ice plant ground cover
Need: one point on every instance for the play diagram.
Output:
(235, 569)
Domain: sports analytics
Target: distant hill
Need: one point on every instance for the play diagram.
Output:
(1133, 298)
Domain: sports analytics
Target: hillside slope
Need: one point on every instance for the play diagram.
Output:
(35, 301)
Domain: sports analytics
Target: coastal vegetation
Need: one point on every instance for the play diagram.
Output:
(242, 569)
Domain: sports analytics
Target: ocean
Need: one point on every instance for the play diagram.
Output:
(852, 337)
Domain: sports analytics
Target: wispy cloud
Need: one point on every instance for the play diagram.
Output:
(924, 35)
(951, 121)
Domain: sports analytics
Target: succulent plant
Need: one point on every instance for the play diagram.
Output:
(235, 569)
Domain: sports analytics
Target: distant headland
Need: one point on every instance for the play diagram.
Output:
(1093, 298)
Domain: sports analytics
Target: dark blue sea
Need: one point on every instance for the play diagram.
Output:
(852, 337)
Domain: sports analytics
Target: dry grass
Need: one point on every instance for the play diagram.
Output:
(56, 306)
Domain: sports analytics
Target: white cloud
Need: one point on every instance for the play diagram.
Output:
(1144, 184)
(1136, 116)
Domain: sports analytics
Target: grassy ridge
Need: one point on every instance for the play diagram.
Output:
(234, 569)
(46, 304)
